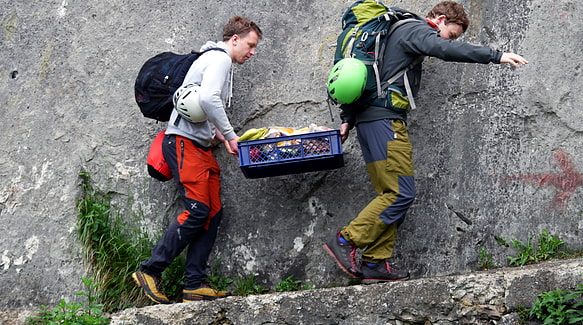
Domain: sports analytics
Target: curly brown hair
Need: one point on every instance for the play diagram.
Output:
(453, 12)
(240, 26)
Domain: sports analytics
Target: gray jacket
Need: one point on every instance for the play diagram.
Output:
(408, 44)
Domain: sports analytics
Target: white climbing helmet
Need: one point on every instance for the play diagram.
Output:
(186, 101)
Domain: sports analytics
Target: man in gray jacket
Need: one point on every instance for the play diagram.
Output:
(384, 139)
(187, 149)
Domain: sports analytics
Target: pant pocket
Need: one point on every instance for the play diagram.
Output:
(400, 157)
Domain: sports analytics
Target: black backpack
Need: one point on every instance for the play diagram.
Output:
(159, 78)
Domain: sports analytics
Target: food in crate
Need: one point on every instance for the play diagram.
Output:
(288, 148)
(277, 151)
(316, 147)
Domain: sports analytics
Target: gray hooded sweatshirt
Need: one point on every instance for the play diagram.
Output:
(213, 72)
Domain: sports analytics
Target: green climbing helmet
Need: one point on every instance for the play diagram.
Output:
(347, 80)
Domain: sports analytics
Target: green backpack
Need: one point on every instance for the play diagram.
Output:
(365, 25)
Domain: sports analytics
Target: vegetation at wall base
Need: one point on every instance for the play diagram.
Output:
(559, 307)
(556, 307)
(289, 284)
(523, 314)
(114, 249)
(547, 247)
(216, 279)
(69, 313)
(245, 286)
(486, 260)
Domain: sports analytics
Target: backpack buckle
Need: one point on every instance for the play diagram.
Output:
(362, 41)
(364, 36)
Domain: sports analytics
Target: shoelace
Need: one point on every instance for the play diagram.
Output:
(157, 283)
(353, 258)
(388, 267)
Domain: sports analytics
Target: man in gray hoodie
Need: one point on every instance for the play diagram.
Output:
(187, 149)
(384, 139)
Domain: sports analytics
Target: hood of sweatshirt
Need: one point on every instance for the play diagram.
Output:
(211, 45)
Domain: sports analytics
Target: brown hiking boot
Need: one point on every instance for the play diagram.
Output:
(344, 254)
(381, 272)
(152, 287)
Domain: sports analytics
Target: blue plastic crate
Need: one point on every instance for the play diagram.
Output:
(292, 154)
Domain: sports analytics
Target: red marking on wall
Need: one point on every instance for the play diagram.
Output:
(565, 182)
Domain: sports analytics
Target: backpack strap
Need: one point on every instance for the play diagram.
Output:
(394, 26)
(179, 117)
(351, 42)
(375, 66)
(382, 89)
(403, 73)
(399, 23)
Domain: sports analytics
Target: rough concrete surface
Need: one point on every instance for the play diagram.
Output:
(496, 148)
(491, 297)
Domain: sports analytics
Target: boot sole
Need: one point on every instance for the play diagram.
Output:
(338, 262)
(372, 281)
(200, 298)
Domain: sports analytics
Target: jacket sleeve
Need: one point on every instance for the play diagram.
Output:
(214, 77)
(424, 40)
(347, 117)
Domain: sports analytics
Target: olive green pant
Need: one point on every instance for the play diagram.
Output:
(388, 155)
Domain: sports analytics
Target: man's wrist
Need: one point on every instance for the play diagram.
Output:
(348, 123)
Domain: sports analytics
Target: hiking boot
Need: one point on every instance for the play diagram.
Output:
(152, 287)
(344, 254)
(381, 272)
(203, 293)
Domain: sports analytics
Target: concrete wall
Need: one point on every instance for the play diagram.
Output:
(472, 299)
(498, 146)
